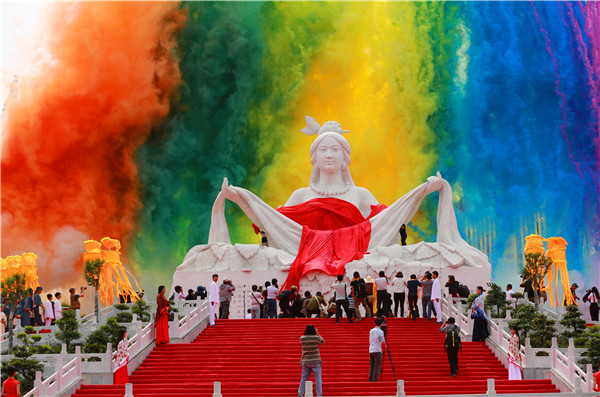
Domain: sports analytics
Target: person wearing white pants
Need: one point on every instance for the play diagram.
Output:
(213, 299)
(436, 296)
(49, 310)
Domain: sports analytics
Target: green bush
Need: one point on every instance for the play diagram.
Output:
(142, 309)
(543, 329)
(26, 367)
(574, 324)
(496, 299)
(523, 319)
(121, 306)
(108, 333)
(124, 317)
(68, 328)
(592, 346)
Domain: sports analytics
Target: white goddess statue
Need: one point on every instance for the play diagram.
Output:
(332, 222)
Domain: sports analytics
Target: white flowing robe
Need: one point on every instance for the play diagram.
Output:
(285, 234)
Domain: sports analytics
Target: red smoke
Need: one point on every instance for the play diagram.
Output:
(71, 132)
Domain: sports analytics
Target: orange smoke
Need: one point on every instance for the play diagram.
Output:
(71, 132)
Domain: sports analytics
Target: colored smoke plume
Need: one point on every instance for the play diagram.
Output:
(71, 132)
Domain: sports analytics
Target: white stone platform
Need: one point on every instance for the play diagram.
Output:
(248, 264)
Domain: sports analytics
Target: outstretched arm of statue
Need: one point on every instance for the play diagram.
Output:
(281, 231)
(232, 193)
(385, 225)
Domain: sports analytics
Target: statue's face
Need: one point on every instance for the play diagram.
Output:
(330, 155)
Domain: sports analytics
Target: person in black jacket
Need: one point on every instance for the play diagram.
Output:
(527, 286)
(413, 295)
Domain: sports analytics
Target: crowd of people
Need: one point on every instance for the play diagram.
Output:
(386, 296)
(382, 296)
(33, 310)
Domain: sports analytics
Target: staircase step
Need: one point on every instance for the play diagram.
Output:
(255, 358)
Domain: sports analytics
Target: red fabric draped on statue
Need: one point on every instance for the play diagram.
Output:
(334, 233)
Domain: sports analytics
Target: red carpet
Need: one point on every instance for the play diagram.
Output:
(261, 358)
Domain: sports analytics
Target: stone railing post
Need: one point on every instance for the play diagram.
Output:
(571, 360)
(589, 379)
(128, 390)
(217, 390)
(109, 353)
(553, 350)
(499, 339)
(138, 328)
(308, 390)
(63, 349)
(37, 383)
(153, 329)
(400, 388)
(577, 386)
(491, 384)
(79, 365)
(59, 371)
(44, 392)
(528, 351)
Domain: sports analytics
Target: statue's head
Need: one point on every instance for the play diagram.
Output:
(328, 134)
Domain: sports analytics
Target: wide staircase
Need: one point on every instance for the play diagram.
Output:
(261, 358)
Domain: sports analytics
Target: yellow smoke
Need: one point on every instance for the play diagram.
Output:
(373, 75)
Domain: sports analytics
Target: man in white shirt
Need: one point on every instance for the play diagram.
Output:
(382, 284)
(341, 293)
(436, 296)
(272, 291)
(213, 298)
(49, 310)
(57, 306)
(256, 299)
(376, 346)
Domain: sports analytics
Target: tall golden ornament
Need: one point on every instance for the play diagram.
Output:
(114, 279)
(534, 244)
(24, 263)
(557, 247)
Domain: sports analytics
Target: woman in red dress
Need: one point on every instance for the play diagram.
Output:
(11, 387)
(162, 317)
(121, 376)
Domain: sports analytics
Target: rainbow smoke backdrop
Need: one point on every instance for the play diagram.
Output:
(145, 107)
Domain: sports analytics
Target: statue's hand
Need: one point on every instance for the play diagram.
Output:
(227, 190)
(435, 182)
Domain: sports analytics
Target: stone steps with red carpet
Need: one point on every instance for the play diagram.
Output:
(261, 358)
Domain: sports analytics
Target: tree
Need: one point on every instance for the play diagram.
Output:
(92, 271)
(68, 328)
(523, 319)
(123, 316)
(536, 268)
(142, 309)
(496, 298)
(517, 296)
(592, 345)
(25, 366)
(108, 333)
(543, 329)
(13, 289)
(574, 324)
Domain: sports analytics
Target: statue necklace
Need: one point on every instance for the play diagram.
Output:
(328, 193)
